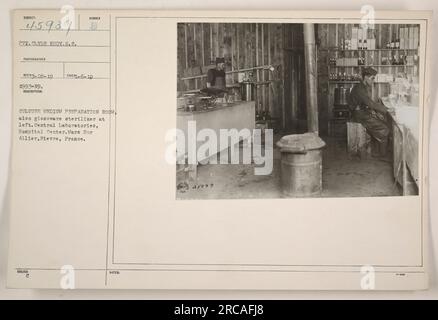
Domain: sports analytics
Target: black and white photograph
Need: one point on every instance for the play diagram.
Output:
(294, 110)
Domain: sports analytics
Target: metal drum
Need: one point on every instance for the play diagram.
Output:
(301, 164)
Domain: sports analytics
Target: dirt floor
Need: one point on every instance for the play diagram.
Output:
(342, 177)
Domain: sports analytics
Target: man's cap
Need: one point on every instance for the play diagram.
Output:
(368, 71)
(220, 60)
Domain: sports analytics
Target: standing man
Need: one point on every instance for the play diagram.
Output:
(216, 76)
(368, 112)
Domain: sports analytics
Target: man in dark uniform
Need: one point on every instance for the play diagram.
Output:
(369, 113)
(216, 76)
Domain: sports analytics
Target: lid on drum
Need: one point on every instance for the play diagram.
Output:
(300, 143)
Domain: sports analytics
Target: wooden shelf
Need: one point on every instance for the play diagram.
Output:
(352, 82)
(364, 50)
(374, 65)
(341, 82)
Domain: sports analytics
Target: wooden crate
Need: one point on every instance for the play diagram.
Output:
(358, 140)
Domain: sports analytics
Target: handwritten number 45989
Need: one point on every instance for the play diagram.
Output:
(49, 25)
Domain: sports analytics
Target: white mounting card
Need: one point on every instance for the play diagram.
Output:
(96, 203)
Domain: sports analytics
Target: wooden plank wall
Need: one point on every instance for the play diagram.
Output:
(325, 36)
(281, 93)
(243, 45)
(330, 36)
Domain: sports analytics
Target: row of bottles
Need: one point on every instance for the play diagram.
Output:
(393, 44)
(344, 76)
(405, 37)
(396, 60)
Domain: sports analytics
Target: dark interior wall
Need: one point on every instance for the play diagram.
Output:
(295, 77)
(247, 45)
(243, 45)
(281, 93)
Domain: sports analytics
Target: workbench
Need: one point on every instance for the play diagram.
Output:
(405, 127)
(237, 115)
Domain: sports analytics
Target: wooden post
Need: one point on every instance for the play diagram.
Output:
(211, 42)
(237, 46)
(311, 77)
(256, 25)
(202, 45)
(270, 104)
(186, 59)
(194, 51)
(263, 62)
(217, 40)
(284, 57)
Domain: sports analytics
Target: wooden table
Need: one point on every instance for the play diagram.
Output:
(237, 115)
(405, 125)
